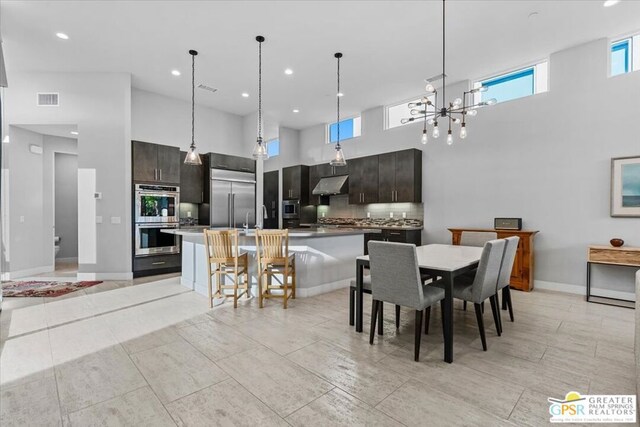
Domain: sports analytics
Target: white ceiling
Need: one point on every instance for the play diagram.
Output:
(389, 46)
(53, 130)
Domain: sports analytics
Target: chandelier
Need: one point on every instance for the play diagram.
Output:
(339, 159)
(260, 150)
(455, 113)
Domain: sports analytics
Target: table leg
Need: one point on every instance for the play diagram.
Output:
(359, 298)
(588, 281)
(448, 317)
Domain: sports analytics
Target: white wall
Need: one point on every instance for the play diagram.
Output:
(544, 158)
(167, 121)
(24, 213)
(53, 145)
(100, 104)
(66, 204)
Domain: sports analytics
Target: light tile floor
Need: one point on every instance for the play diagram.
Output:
(150, 352)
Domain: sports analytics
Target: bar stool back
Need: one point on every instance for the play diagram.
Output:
(274, 260)
(224, 260)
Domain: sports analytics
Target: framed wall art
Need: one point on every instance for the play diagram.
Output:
(625, 186)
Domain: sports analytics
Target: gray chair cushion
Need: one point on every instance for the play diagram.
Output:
(395, 276)
(509, 257)
(483, 284)
(477, 238)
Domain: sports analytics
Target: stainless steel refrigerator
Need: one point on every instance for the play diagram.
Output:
(233, 198)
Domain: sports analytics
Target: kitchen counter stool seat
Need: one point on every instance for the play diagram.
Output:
(224, 260)
(274, 261)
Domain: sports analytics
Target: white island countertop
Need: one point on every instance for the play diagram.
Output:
(293, 232)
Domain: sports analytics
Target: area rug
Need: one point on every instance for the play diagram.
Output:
(43, 289)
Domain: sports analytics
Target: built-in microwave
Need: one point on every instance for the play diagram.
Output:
(157, 203)
(150, 240)
(290, 209)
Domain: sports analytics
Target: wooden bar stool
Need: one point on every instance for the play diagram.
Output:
(225, 260)
(272, 248)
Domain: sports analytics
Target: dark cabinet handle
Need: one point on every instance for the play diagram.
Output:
(158, 263)
(394, 234)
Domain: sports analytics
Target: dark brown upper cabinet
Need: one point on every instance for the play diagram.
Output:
(400, 177)
(234, 163)
(295, 184)
(191, 182)
(270, 199)
(155, 163)
(363, 180)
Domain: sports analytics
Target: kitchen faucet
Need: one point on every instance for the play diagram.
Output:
(246, 222)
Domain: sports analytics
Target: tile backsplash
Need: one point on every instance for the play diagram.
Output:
(339, 207)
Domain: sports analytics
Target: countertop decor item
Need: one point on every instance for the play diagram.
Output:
(461, 107)
(192, 157)
(625, 186)
(260, 150)
(339, 159)
(616, 243)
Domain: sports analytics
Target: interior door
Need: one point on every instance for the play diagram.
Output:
(220, 203)
(244, 202)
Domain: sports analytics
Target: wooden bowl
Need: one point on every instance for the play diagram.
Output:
(616, 243)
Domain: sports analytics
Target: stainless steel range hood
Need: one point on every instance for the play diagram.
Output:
(331, 185)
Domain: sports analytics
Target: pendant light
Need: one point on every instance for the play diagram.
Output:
(192, 157)
(338, 159)
(461, 107)
(260, 150)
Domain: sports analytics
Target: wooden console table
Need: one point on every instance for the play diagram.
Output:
(522, 274)
(608, 255)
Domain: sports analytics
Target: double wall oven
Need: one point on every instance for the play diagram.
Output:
(156, 209)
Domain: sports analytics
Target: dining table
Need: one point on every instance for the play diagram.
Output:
(444, 261)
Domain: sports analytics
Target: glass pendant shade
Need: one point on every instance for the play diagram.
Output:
(192, 157)
(339, 159)
(260, 150)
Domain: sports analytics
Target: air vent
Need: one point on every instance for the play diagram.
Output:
(48, 100)
(209, 88)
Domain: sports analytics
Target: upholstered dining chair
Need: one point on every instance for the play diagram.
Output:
(274, 262)
(482, 286)
(395, 278)
(504, 280)
(224, 260)
(478, 239)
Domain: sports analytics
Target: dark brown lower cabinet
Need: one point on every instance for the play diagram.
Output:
(393, 235)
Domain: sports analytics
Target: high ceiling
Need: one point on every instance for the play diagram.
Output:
(389, 46)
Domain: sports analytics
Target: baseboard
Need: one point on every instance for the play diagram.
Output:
(187, 283)
(11, 275)
(322, 289)
(71, 259)
(582, 290)
(105, 276)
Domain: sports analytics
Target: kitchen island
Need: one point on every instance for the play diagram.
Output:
(325, 257)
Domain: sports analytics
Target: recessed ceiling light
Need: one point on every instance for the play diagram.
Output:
(609, 3)
(245, 95)
(296, 110)
(62, 36)
(73, 132)
(288, 71)
(175, 72)
(340, 94)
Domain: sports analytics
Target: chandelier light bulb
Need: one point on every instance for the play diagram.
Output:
(492, 101)
(455, 120)
(416, 112)
(430, 121)
(436, 130)
(429, 88)
(463, 131)
(449, 138)
(424, 138)
(472, 113)
(483, 89)
(457, 102)
(412, 105)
